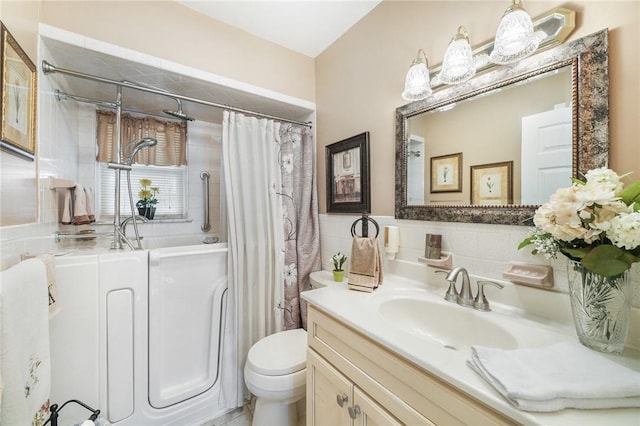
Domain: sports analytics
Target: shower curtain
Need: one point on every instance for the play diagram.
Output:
(301, 227)
(256, 243)
(273, 227)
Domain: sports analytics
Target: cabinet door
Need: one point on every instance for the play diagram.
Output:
(367, 412)
(329, 394)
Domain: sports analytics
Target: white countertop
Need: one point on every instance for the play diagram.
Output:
(360, 311)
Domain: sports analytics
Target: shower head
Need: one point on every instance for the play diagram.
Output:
(138, 145)
(179, 113)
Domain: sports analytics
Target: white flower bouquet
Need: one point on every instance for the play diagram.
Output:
(595, 222)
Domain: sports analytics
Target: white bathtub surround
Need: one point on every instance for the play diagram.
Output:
(139, 324)
(25, 364)
(256, 240)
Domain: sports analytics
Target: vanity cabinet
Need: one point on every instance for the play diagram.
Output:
(377, 386)
(337, 401)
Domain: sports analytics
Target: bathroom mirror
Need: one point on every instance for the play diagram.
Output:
(483, 120)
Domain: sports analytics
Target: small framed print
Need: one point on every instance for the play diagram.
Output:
(348, 175)
(446, 173)
(492, 183)
(17, 130)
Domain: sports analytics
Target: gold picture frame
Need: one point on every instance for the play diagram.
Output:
(18, 126)
(492, 183)
(446, 173)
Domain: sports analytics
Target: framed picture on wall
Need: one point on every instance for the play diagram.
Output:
(17, 130)
(492, 183)
(446, 173)
(348, 187)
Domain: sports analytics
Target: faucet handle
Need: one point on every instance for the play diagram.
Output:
(452, 293)
(480, 302)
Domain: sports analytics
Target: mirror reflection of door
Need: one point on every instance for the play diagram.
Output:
(546, 153)
(415, 171)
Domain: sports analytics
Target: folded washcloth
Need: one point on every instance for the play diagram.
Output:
(563, 375)
(365, 266)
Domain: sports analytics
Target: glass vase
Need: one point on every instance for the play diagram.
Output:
(600, 307)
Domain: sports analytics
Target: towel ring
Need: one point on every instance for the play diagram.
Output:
(365, 226)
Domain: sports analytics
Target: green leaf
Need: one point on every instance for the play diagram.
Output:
(576, 253)
(607, 260)
(577, 181)
(525, 242)
(631, 194)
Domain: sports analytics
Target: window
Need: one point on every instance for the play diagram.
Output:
(172, 182)
(165, 164)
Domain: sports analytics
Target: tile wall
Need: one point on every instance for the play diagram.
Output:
(484, 250)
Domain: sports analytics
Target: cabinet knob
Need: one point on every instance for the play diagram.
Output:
(341, 399)
(354, 411)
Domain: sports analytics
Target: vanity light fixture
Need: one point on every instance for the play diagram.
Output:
(515, 38)
(417, 85)
(458, 65)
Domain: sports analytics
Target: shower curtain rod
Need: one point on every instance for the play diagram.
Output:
(48, 68)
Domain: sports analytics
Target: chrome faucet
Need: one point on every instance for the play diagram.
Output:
(122, 230)
(465, 297)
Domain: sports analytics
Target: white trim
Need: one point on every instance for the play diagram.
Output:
(79, 40)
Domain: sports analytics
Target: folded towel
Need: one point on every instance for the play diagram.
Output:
(24, 344)
(52, 284)
(88, 194)
(563, 375)
(80, 214)
(365, 266)
(67, 208)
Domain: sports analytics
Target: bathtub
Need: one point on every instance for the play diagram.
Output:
(140, 334)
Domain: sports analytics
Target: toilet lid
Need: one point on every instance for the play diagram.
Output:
(280, 353)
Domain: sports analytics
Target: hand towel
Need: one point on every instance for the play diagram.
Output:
(551, 378)
(365, 265)
(52, 283)
(88, 194)
(80, 214)
(24, 343)
(67, 208)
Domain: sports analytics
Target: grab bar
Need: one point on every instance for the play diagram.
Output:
(206, 226)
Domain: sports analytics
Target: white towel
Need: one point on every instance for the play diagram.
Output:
(563, 375)
(52, 283)
(80, 214)
(24, 344)
(67, 208)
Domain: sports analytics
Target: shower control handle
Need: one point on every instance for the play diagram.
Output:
(341, 399)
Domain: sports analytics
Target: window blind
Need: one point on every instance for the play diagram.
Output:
(172, 182)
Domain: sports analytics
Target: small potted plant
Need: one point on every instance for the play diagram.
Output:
(338, 260)
(147, 203)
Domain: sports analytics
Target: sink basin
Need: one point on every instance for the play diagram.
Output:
(453, 326)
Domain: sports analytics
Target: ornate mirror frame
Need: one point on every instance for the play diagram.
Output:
(588, 57)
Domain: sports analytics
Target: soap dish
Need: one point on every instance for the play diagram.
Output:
(531, 275)
(445, 261)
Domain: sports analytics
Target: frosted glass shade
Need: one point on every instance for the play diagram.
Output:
(515, 38)
(417, 85)
(458, 65)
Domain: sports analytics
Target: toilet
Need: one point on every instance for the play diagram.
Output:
(275, 372)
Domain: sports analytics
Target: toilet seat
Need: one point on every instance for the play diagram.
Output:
(279, 354)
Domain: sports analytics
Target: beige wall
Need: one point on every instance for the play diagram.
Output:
(169, 30)
(360, 77)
